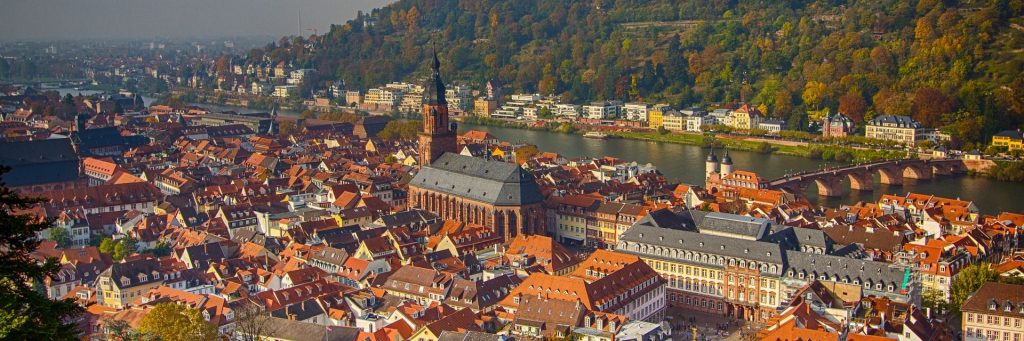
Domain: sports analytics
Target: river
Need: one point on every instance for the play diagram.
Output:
(686, 163)
(212, 108)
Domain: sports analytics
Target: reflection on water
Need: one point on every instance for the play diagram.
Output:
(686, 163)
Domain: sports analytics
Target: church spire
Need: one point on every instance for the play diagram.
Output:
(435, 89)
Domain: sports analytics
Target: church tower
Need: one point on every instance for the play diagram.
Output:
(438, 136)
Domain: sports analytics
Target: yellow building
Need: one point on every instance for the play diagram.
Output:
(1011, 139)
(654, 118)
(893, 128)
(994, 312)
(745, 118)
(568, 216)
(484, 107)
(123, 283)
(674, 121)
(360, 215)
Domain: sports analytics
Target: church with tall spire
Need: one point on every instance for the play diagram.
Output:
(438, 136)
(473, 190)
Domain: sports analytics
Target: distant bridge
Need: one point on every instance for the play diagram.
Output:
(862, 176)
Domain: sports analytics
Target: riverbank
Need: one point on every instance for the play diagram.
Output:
(555, 127)
(766, 146)
(809, 150)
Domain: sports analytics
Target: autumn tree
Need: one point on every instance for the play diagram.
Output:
(526, 152)
(287, 127)
(412, 19)
(814, 93)
(174, 322)
(400, 130)
(930, 105)
(853, 105)
(25, 313)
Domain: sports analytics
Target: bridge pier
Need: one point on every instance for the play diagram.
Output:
(861, 181)
(890, 176)
(917, 172)
(828, 186)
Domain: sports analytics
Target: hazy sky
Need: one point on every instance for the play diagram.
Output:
(116, 19)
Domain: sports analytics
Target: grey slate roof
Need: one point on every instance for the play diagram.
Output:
(490, 181)
(1015, 134)
(702, 243)
(735, 224)
(669, 219)
(468, 336)
(38, 162)
(796, 238)
(844, 268)
(897, 120)
(284, 329)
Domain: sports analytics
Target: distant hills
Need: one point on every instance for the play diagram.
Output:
(951, 64)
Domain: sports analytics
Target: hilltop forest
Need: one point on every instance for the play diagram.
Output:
(951, 64)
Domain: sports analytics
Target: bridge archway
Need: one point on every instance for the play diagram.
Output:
(828, 186)
(861, 181)
(890, 176)
(919, 172)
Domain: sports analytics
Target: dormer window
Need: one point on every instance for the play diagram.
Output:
(992, 305)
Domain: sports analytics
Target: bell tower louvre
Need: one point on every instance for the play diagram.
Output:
(438, 136)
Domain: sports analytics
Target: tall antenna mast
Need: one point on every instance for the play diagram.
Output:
(298, 24)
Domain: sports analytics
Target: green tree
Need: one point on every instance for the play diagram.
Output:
(968, 281)
(25, 313)
(934, 299)
(107, 246)
(177, 322)
(161, 249)
(61, 236)
(123, 248)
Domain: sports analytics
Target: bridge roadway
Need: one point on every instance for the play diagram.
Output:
(861, 175)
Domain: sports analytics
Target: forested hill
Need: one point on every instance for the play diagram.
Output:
(953, 64)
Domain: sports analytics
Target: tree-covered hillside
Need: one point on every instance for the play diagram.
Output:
(952, 64)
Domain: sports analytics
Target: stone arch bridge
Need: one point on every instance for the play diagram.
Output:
(862, 176)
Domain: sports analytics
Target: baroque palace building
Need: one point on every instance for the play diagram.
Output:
(746, 267)
(474, 190)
